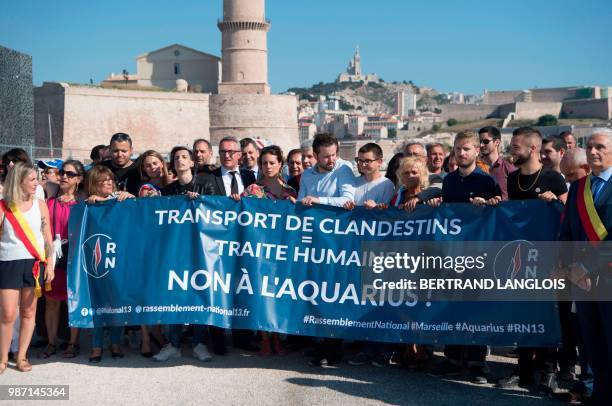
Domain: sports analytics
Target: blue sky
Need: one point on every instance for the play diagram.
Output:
(462, 46)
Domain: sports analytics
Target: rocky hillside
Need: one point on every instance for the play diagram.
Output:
(369, 98)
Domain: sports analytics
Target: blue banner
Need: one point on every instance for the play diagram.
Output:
(274, 266)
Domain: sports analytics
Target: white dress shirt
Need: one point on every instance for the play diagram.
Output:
(227, 180)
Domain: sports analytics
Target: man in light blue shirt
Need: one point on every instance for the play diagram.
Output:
(327, 182)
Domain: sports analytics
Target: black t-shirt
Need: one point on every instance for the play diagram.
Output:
(533, 185)
(128, 178)
(197, 185)
(460, 189)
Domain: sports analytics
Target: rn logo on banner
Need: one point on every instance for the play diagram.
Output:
(98, 255)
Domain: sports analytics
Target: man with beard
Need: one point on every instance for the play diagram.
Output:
(327, 182)
(468, 184)
(553, 149)
(499, 168)
(533, 181)
(127, 174)
(202, 152)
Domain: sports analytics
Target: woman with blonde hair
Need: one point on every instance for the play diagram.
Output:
(413, 179)
(155, 176)
(153, 172)
(25, 245)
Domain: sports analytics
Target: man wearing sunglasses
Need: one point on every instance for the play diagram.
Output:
(125, 170)
(499, 168)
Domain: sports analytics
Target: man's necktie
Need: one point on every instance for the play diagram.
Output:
(234, 187)
(597, 185)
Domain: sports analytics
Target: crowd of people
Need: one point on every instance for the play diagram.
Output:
(37, 201)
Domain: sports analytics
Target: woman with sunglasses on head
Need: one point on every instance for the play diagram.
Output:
(26, 254)
(271, 186)
(154, 174)
(70, 193)
(101, 187)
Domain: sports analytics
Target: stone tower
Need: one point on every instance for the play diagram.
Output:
(244, 47)
(244, 106)
(357, 62)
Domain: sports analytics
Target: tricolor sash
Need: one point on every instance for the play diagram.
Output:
(591, 222)
(25, 234)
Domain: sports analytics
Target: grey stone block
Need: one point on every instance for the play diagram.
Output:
(16, 100)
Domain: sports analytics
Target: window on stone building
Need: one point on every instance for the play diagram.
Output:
(177, 68)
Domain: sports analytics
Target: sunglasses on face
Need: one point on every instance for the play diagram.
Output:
(69, 174)
(485, 141)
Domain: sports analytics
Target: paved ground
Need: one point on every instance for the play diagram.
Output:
(241, 378)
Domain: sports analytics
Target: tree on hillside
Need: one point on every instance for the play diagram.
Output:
(547, 120)
(451, 122)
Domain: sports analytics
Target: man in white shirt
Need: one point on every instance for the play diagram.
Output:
(250, 155)
(372, 189)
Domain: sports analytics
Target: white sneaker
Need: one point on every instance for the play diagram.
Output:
(166, 353)
(201, 353)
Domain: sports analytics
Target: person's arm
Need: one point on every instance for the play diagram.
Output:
(303, 187)
(49, 248)
(430, 193)
(389, 192)
(561, 189)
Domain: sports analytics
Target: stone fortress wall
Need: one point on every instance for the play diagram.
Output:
(83, 117)
(271, 117)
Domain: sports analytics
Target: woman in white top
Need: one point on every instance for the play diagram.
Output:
(17, 263)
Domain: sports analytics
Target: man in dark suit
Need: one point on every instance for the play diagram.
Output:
(581, 224)
(228, 180)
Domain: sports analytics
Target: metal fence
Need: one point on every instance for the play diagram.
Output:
(44, 153)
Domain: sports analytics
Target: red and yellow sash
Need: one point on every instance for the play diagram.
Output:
(25, 234)
(591, 222)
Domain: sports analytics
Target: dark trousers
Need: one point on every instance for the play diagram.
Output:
(217, 338)
(567, 354)
(595, 319)
(474, 355)
(331, 349)
(241, 338)
(532, 359)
